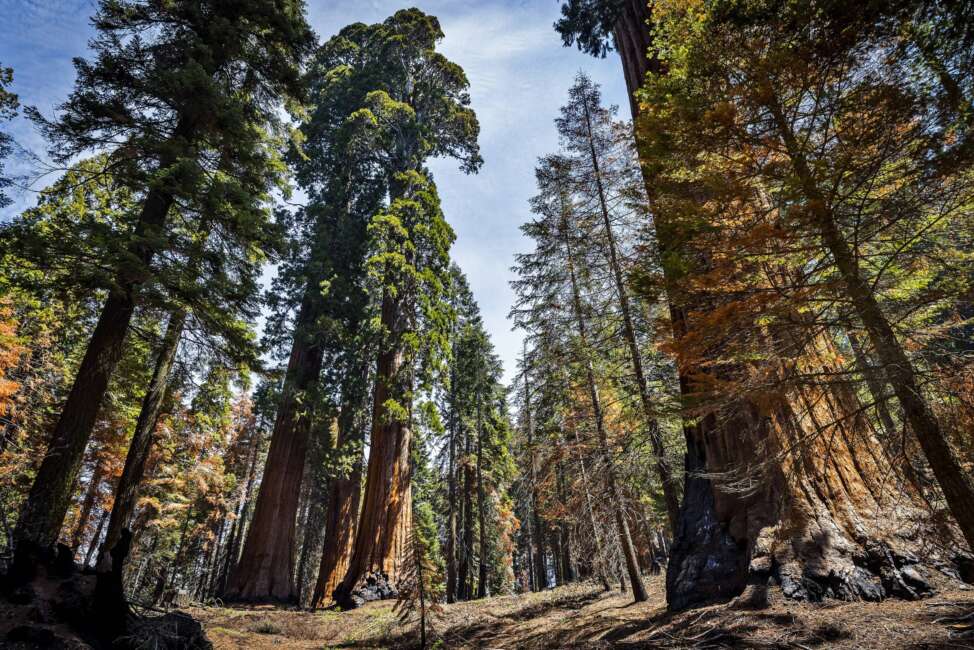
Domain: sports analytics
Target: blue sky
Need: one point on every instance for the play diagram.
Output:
(519, 76)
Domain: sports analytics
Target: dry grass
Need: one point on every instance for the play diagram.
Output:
(580, 616)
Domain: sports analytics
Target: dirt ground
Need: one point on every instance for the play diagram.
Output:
(581, 616)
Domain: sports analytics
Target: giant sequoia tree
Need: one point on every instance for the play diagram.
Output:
(321, 284)
(731, 527)
(418, 108)
(204, 89)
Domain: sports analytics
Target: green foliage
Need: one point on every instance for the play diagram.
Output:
(8, 109)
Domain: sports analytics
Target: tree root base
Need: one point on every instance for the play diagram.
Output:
(48, 603)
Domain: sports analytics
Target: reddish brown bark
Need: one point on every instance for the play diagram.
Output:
(266, 568)
(383, 530)
(341, 520)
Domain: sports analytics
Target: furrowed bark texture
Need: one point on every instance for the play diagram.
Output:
(816, 520)
(341, 520)
(265, 571)
(381, 540)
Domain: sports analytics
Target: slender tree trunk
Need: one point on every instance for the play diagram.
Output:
(383, 530)
(564, 532)
(956, 483)
(319, 500)
(89, 556)
(86, 506)
(874, 382)
(466, 551)
(242, 511)
(600, 558)
(481, 506)
(266, 567)
(451, 522)
(625, 538)
(129, 483)
(663, 468)
(539, 569)
(50, 495)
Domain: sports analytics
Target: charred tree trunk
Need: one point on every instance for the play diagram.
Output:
(344, 494)
(383, 530)
(266, 567)
(127, 490)
(625, 537)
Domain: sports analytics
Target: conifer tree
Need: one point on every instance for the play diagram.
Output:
(420, 110)
(8, 109)
(155, 106)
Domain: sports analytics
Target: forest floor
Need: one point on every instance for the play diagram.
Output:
(582, 616)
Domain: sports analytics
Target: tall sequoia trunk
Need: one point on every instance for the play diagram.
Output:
(615, 496)
(957, 484)
(127, 490)
(813, 522)
(383, 530)
(663, 469)
(481, 507)
(344, 494)
(266, 568)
